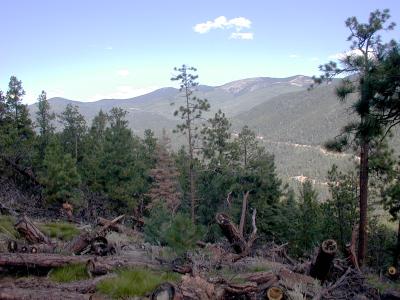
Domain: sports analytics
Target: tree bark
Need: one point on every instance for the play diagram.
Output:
(231, 232)
(48, 261)
(243, 215)
(40, 294)
(397, 251)
(83, 241)
(362, 233)
(31, 233)
(320, 268)
(94, 267)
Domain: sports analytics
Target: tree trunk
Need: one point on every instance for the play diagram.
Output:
(243, 215)
(94, 267)
(362, 233)
(83, 241)
(31, 233)
(397, 251)
(40, 294)
(320, 268)
(47, 261)
(231, 232)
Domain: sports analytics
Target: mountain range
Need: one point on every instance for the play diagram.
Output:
(291, 121)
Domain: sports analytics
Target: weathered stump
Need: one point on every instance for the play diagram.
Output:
(320, 268)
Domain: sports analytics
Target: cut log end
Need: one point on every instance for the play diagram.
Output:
(274, 293)
(329, 247)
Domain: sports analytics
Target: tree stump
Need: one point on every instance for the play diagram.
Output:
(320, 268)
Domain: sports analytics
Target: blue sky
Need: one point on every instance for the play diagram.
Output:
(93, 49)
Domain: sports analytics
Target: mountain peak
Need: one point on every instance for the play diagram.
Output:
(239, 87)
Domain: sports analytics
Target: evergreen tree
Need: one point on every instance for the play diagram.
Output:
(43, 119)
(60, 176)
(190, 113)
(17, 134)
(362, 63)
(340, 210)
(73, 132)
(217, 148)
(94, 150)
(309, 226)
(248, 145)
(122, 173)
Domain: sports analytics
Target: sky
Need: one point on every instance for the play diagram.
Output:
(89, 50)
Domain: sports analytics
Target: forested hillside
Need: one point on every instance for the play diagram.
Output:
(262, 188)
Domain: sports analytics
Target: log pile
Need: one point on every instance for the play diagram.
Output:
(39, 255)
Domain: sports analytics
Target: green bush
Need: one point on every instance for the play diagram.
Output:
(156, 224)
(182, 234)
(137, 282)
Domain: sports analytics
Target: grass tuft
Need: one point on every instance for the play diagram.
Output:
(60, 230)
(134, 282)
(7, 226)
(69, 273)
(381, 285)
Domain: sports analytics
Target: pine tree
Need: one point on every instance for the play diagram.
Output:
(362, 62)
(309, 226)
(340, 210)
(248, 145)
(122, 174)
(217, 147)
(43, 119)
(165, 187)
(73, 132)
(94, 148)
(60, 176)
(190, 113)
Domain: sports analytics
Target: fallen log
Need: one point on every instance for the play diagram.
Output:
(40, 294)
(114, 227)
(18, 247)
(94, 267)
(48, 261)
(82, 242)
(320, 268)
(30, 232)
(82, 286)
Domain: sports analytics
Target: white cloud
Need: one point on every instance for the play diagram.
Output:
(223, 23)
(108, 48)
(343, 55)
(123, 73)
(123, 92)
(293, 56)
(314, 58)
(242, 35)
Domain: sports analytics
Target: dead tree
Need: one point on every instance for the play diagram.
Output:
(83, 241)
(31, 233)
(236, 235)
